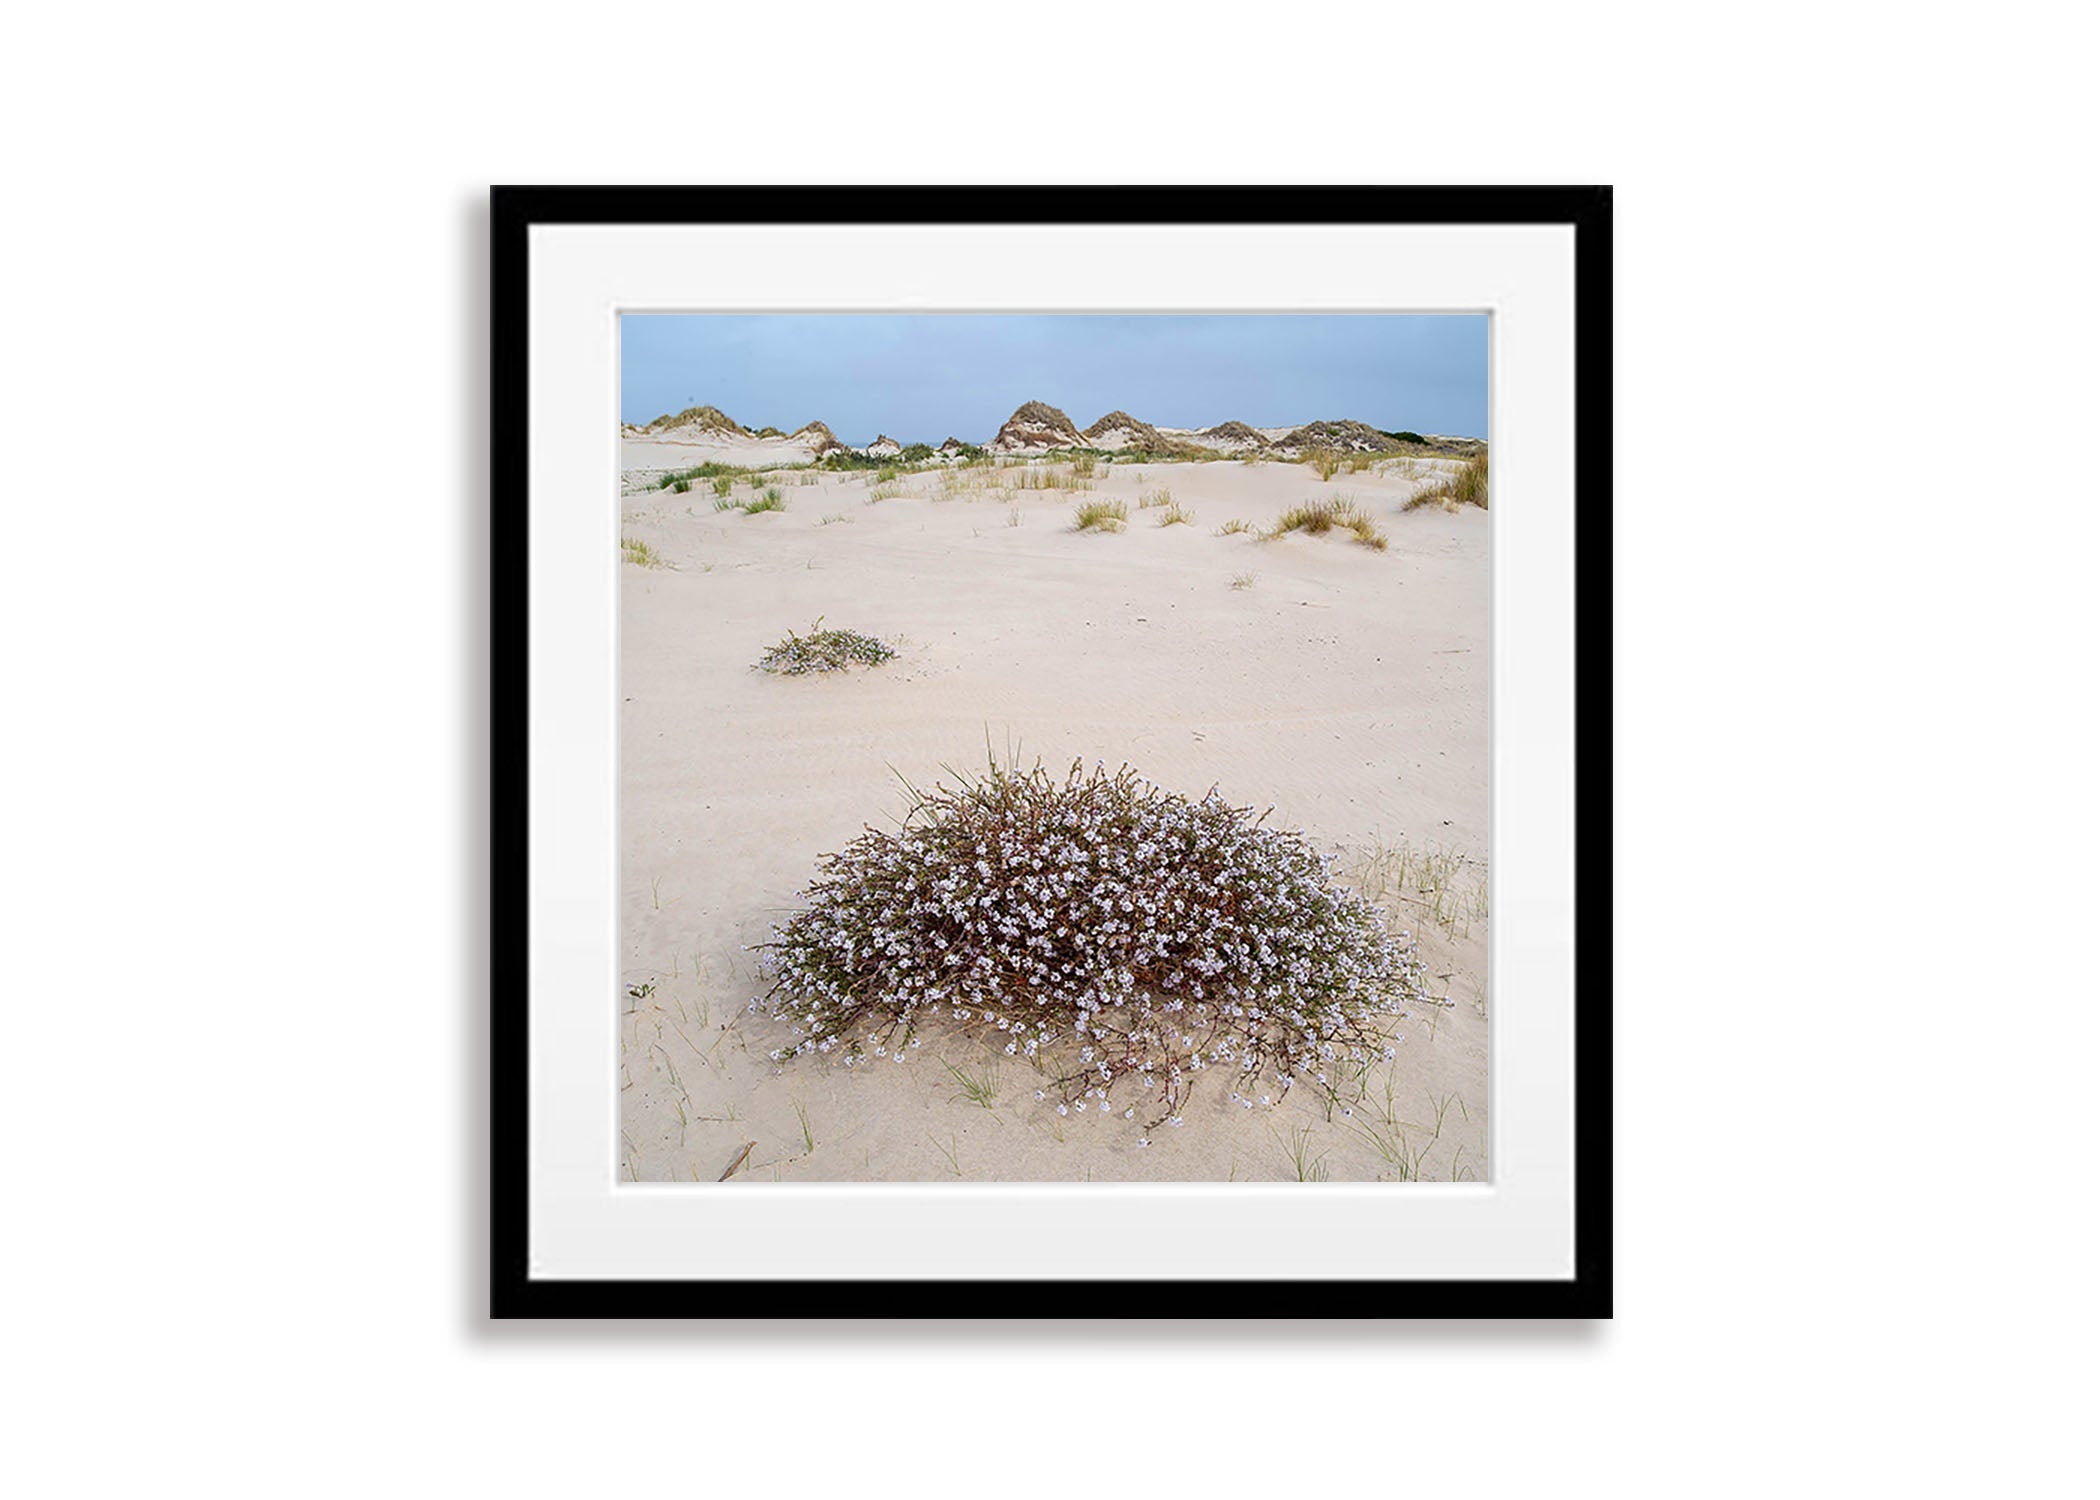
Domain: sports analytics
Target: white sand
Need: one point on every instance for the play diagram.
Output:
(1347, 687)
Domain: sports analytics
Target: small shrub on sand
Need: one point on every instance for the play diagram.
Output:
(722, 485)
(1318, 517)
(1123, 937)
(1101, 515)
(824, 651)
(1326, 462)
(883, 492)
(681, 486)
(1236, 528)
(1154, 499)
(770, 500)
(641, 554)
(1465, 485)
(1175, 515)
(1083, 466)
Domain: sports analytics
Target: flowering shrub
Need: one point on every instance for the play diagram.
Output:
(824, 651)
(1122, 937)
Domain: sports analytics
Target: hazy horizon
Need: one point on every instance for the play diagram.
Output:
(923, 377)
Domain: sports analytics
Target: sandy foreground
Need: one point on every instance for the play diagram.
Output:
(1346, 687)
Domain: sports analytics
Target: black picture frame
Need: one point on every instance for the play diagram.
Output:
(513, 1291)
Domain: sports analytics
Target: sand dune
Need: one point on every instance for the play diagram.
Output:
(1345, 686)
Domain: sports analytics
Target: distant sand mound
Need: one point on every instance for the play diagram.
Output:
(697, 419)
(1119, 430)
(1232, 437)
(883, 447)
(1341, 436)
(1036, 427)
(706, 434)
(1456, 447)
(821, 439)
(956, 445)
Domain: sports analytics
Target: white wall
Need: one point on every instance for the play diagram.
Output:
(242, 603)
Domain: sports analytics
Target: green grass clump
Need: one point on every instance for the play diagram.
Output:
(1327, 462)
(1466, 485)
(1232, 950)
(1318, 517)
(723, 484)
(770, 500)
(681, 486)
(883, 492)
(698, 471)
(1101, 515)
(824, 651)
(640, 553)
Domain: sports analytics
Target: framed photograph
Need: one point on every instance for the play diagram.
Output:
(1051, 740)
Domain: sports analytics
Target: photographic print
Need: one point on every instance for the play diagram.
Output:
(1055, 748)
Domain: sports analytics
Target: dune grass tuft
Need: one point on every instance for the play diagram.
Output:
(1465, 485)
(1154, 499)
(1238, 955)
(1243, 580)
(640, 553)
(772, 499)
(1236, 527)
(824, 651)
(1175, 514)
(1318, 517)
(723, 484)
(1101, 515)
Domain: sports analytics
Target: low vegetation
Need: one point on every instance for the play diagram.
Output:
(640, 553)
(1243, 580)
(1237, 527)
(1155, 498)
(1465, 485)
(1318, 517)
(824, 651)
(1101, 515)
(1120, 937)
(772, 499)
(1175, 514)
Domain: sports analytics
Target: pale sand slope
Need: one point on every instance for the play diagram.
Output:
(686, 447)
(1347, 687)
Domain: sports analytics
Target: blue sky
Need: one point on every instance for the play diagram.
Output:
(923, 377)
